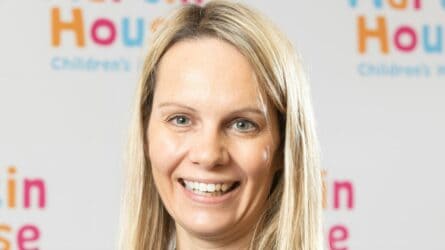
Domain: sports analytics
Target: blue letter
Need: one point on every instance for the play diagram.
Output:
(437, 46)
(377, 3)
(137, 40)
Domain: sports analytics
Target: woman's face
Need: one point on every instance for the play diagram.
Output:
(209, 142)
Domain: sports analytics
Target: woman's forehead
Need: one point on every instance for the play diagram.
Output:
(205, 59)
(207, 72)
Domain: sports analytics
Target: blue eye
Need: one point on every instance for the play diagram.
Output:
(180, 120)
(245, 125)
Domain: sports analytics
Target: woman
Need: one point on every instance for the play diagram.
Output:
(222, 152)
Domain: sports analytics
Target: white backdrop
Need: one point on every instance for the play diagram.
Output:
(65, 108)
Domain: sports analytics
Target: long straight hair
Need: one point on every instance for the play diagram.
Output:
(292, 217)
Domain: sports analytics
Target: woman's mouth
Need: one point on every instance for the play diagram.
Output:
(209, 189)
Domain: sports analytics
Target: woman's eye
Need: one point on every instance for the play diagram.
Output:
(180, 120)
(245, 125)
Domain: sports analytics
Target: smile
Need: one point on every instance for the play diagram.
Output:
(209, 189)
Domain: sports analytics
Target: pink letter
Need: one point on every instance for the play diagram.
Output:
(106, 24)
(338, 186)
(40, 185)
(33, 234)
(338, 234)
(413, 39)
(417, 4)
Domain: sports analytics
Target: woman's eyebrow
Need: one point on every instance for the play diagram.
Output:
(238, 111)
(165, 104)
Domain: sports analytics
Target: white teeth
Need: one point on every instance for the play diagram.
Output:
(211, 187)
(207, 187)
(202, 187)
(224, 187)
(189, 185)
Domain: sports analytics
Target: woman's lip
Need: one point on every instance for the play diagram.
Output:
(209, 200)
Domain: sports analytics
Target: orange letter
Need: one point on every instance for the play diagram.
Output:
(401, 5)
(75, 25)
(380, 33)
(155, 24)
(4, 242)
(11, 188)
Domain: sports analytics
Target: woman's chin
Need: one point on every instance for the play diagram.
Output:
(208, 228)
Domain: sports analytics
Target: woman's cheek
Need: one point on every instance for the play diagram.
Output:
(254, 158)
(165, 150)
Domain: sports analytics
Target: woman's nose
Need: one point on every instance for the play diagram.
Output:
(208, 149)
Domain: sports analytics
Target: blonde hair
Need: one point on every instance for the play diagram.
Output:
(292, 218)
